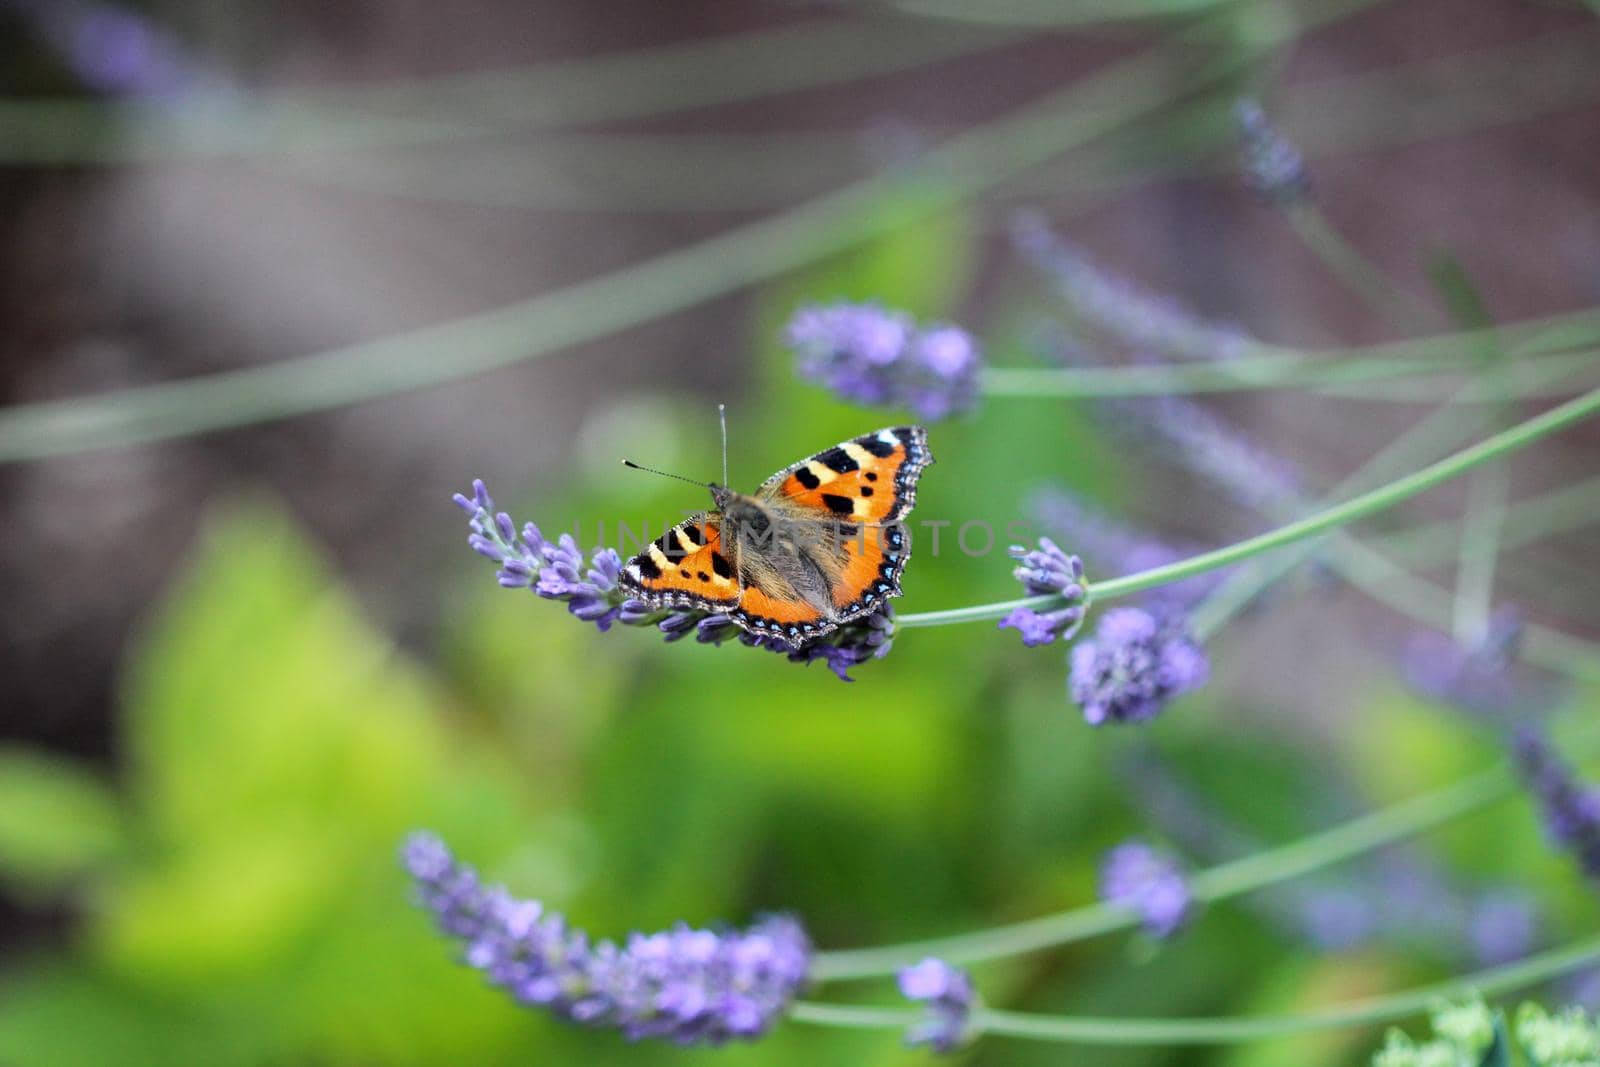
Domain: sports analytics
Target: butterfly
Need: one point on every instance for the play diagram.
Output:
(818, 545)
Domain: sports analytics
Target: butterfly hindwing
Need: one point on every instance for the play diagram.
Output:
(874, 557)
(788, 618)
(870, 479)
(685, 567)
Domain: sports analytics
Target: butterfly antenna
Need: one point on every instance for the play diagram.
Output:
(664, 474)
(722, 417)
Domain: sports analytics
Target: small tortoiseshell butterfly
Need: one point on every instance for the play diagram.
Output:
(818, 545)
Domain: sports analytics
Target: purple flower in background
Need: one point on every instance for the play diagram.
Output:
(1571, 808)
(1134, 664)
(1047, 571)
(1219, 452)
(947, 993)
(689, 986)
(871, 355)
(1116, 308)
(1503, 926)
(109, 48)
(1336, 918)
(1152, 883)
(1272, 166)
(1480, 677)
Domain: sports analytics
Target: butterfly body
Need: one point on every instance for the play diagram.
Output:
(817, 546)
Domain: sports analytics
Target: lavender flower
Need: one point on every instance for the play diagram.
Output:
(690, 986)
(1208, 445)
(557, 570)
(871, 355)
(1503, 926)
(109, 48)
(948, 996)
(1118, 309)
(1337, 918)
(1571, 808)
(1136, 662)
(1480, 677)
(553, 569)
(1136, 876)
(1047, 571)
(1272, 166)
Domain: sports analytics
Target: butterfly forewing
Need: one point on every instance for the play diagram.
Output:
(685, 567)
(868, 479)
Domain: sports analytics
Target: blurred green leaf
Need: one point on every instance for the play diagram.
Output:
(58, 822)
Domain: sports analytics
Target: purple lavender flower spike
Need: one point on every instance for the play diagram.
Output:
(1273, 167)
(685, 985)
(1220, 452)
(1039, 629)
(947, 995)
(1481, 677)
(1047, 571)
(1503, 926)
(1118, 309)
(1571, 808)
(110, 49)
(871, 355)
(1336, 918)
(868, 638)
(1136, 662)
(1151, 883)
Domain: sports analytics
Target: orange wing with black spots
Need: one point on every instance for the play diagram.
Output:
(870, 479)
(874, 557)
(685, 567)
(778, 616)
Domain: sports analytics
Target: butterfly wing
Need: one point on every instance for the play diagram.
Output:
(868, 479)
(686, 567)
(855, 495)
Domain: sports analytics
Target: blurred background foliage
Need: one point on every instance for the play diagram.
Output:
(204, 872)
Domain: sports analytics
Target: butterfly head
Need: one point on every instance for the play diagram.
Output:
(740, 511)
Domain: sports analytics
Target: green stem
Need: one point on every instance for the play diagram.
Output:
(1384, 581)
(1387, 496)
(1437, 431)
(1354, 838)
(768, 171)
(1490, 983)
(1528, 520)
(1247, 373)
(1480, 549)
(1353, 269)
(606, 88)
(951, 173)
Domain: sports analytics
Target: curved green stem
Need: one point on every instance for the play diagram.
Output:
(1356, 837)
(1088, 1030)
(1248, 373)
(633, 84)
(1353, 269)
(1528, 520)
(1387, 496)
